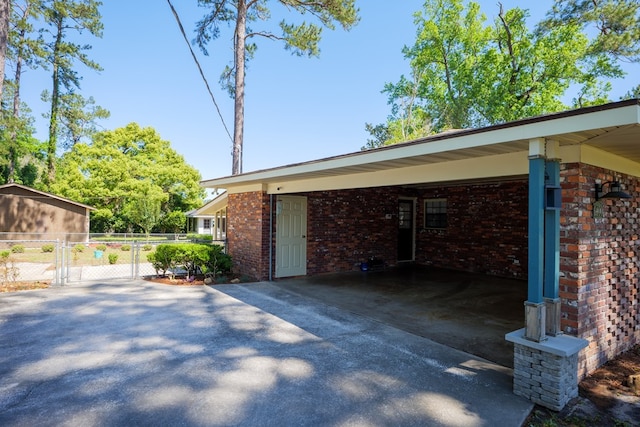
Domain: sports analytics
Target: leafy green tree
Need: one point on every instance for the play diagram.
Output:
(21, 155)
(78, 117)
(173, 222)
(144, 210)
(633, 93)
(5, 13)
(121, 166)
(23, 49)
(62, 17)
(380, 134)
(301, 39)
(465, 73)
(616, 24)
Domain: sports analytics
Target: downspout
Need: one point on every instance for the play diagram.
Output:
(270, 237)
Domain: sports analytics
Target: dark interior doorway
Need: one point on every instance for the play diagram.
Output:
(406, 225)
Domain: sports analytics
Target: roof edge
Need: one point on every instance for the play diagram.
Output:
(437, 137)
(43, 193)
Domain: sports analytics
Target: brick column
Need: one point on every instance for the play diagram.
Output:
(546, 372)
(248, 233)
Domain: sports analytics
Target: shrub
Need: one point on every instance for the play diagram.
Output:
(200, 238)
(113, 258)
(8, 270)
(125, 248)
(193, 257)
(78, 248)
(219, 262)
(147, 247)
(17, 249)
(49, 247)
(101, 247)
(163, 259)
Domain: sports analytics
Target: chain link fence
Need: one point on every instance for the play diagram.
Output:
(78, 258)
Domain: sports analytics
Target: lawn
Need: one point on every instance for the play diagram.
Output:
(83, 254)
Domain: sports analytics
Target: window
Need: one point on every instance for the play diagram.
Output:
(435, 213)
(206, 224)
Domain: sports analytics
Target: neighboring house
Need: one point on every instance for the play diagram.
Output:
(519, 199)
(33, 214)
(211, 218)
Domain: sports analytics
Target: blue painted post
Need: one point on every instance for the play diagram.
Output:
(536, 229)
(552, 236)
(535, 308)
(552, 249)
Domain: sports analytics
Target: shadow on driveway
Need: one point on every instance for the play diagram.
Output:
(140, 353)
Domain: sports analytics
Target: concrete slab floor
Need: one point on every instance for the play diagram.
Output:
(466, 311)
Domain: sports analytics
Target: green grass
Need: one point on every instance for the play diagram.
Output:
(76, 258)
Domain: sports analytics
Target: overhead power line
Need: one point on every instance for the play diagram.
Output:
(195, 59)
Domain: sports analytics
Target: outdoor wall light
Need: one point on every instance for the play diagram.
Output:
(615, 191)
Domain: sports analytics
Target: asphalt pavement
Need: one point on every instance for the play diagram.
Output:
(128, 352)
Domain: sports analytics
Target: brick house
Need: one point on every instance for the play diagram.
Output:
(210, 218)
(474, 200)
(41, 215)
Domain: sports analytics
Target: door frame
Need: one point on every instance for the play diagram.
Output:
(414, 202)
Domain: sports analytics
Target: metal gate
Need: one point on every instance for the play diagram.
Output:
(104, 260)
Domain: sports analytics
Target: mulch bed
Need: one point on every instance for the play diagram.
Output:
(178, 281)
(612, 379)
(197, 280)
(22, 286)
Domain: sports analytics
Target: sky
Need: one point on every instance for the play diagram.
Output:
(296, 108)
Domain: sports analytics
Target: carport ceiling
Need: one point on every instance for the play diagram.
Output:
(614, 128)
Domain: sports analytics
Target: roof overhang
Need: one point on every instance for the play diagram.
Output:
(606, 135)
(209, 209)
(6, 188)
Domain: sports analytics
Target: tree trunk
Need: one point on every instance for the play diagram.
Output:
(5, 14)
(238, 124)
(16, 114)
(16, 101)
(53, 119)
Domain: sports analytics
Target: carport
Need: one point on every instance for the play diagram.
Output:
(519, 202)
(466, 311)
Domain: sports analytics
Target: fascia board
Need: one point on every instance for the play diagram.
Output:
(550, 128)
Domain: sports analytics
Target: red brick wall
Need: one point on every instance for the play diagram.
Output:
(599, 287)
(486, 233)
(346, 227)
(248, 233)
(487, 230)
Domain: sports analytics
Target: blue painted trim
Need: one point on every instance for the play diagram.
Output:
(552, 237)
(536, 229)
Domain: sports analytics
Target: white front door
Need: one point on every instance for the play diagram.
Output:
(291, 236)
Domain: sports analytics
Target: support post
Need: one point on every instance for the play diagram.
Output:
(534, 307)
(545, 362)
(553, 206)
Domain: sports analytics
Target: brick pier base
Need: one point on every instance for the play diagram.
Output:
(546, 373)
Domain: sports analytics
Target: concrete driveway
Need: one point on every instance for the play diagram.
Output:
(140, 353)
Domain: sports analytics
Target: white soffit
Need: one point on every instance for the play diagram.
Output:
(614, 128)
(212, 206)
